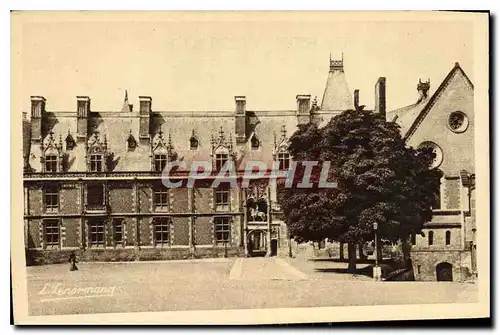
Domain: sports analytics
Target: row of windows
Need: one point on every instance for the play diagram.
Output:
(97, 232)
(160, 162)
(430, 238)
(96, 198)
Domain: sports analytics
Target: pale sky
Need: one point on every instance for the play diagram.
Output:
(202, 64)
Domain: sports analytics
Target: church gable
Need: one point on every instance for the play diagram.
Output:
(447, 121)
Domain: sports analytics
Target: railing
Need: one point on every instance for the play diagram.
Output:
(95, 207)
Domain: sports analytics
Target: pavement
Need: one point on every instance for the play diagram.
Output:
(212, 284)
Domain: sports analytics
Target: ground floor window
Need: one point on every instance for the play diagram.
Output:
(222, 229)
(118, 231)
(96, 233)
(51, 232)
(162, 231)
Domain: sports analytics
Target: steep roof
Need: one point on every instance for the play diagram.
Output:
(456, 70)
(409, 117)
(337, 96)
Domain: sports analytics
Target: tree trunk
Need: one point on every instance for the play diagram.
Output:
(351, 254)
(341, 250)
(361, 254)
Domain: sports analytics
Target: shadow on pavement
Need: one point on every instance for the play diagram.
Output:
(366, 271)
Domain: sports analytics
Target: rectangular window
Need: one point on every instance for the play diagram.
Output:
(220, 160)
(96, 233)
(413, 239)
(162, 232)
(431, 238)
(51, 163)
(95, 196)
(95, 163)
(51, 233)
(160, 198)
(51, 199)
(448, 237)
(160, 162)
(118, 231)
(222, 198)
(222, 229)
(284, 161)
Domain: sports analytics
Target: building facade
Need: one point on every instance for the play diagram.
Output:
(92, 179)
(444, 121)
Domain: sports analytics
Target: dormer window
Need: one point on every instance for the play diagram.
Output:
(255, 142)
(162, 152)
(160, 162)
(220, 160)
(70, 142)
(51, 163)
(131, 142)
(283, 160)
(95, 163)
(193, 143)
(97, 154)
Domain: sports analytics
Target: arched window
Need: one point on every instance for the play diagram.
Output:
(431, 237)
(413, 238)
(436, 200)
(448, 237)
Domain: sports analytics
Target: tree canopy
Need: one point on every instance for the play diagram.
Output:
(380, 179)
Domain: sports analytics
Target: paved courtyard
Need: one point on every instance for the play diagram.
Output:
(220, 284)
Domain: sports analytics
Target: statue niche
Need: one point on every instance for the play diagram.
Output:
(257, 210)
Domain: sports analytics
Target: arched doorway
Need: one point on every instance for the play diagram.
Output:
(257, 243)
(444, 272)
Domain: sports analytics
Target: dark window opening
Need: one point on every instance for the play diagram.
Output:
(52, 199)
(413, 239)
(160, 162)
(448, 237)
(118, 231)
(95, 195)
(255, 142)
(51, 163)
(193, 143)
(220, 161)
(51, 232)
(162, 231)
(161, 198)
(222, 198)
(95, 163)
(431, 238)
(96, 233)
(222, 229)
(284, 160)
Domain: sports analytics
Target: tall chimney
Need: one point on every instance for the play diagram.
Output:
(145, 104)
(82, 114)
(240, 118)
(303, 108)
(37, 110)
(356, 99)
(380, 97)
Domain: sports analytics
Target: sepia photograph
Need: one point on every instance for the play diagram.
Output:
(249, 167)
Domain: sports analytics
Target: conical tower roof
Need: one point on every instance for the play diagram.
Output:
(337, 96)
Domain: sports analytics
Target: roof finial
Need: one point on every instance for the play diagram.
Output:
(126, 106)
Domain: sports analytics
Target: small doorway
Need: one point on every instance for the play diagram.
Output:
(444, 272)
(274, 247)
(257, 243)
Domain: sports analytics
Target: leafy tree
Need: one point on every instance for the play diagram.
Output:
(379, 179)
